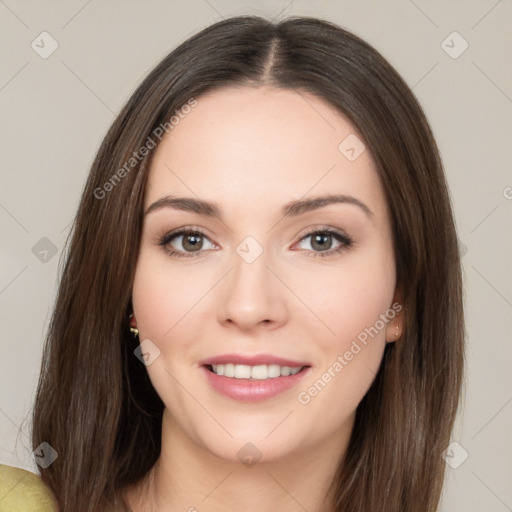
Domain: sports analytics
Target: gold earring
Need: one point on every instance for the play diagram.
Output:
(133, 326)
(397, 331)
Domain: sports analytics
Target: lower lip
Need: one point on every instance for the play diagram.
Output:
(248, 390)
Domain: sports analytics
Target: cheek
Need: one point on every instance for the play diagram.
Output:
(161, 297)
(354, 302)
(349, 298)
(351, 307)
(166, 303)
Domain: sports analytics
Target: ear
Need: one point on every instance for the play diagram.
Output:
(395, 314)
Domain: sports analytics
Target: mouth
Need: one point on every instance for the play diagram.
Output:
(252, 378)
(256, 372)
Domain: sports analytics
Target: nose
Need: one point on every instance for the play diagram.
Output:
(252, 297)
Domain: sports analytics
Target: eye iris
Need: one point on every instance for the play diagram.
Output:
(321, 242)
(192, 242)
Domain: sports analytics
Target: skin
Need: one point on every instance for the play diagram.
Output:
(252, 151)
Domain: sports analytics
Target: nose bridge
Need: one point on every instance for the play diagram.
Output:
(251, 295)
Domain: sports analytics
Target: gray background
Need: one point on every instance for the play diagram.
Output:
(56, 110)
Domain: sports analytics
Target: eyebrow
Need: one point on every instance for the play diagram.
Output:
(292, 209)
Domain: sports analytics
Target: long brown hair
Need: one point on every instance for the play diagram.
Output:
(95, 404)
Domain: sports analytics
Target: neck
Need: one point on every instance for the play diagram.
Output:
(188, 477)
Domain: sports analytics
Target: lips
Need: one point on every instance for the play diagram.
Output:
(254, 360)
(252, 378)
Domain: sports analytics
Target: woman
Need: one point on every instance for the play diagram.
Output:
(261, 303)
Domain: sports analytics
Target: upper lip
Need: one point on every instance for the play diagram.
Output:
(253, 360)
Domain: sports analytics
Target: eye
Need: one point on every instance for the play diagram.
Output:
(325, 242)
(186, 242)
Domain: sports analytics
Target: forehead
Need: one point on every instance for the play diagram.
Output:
(245, 146)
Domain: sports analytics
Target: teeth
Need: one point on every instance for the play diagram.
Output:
(229, 370)
(242, 371)
(259, 372)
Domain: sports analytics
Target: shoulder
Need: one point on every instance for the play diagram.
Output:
(22, 490)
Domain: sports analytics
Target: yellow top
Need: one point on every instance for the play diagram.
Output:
(23, 491)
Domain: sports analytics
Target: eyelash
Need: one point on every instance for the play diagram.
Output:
(166, 239)
(346, 242)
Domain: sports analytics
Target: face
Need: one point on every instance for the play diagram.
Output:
(266, 253)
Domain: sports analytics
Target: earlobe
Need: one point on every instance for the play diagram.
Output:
(394, 327)
(398, 330)
(394, 330)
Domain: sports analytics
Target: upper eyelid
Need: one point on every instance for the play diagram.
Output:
(187, 231)
(338, 233)
(324, 229)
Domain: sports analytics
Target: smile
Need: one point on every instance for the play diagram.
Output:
(252, 382)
